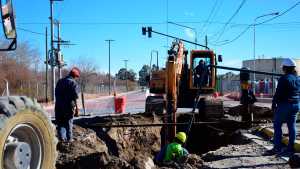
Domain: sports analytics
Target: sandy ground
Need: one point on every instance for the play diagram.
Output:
(250, 155)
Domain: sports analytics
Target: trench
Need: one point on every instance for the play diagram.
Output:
(131, 146)
(210, 137)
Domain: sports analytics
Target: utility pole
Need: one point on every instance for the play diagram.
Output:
(58, 50)
(46, 62)
(109, 78)
(52, 59)
(126, 76)
(157, 67)
(206, 41)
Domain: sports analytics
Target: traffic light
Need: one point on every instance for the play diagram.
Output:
(147, 29)
(144, 30)
(149, 32)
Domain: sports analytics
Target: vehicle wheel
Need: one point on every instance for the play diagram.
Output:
(154, 104)
(27, 136)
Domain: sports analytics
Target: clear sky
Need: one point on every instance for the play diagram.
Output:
(88, 23)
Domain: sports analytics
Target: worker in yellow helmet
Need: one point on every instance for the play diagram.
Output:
(173, 151)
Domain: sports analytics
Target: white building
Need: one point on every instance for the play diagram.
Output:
(267, 65)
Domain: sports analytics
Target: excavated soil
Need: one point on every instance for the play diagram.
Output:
(96, 145)
(119, 147)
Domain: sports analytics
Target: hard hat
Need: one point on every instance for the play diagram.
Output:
(288, 62)
(75, 72)
(181, 136)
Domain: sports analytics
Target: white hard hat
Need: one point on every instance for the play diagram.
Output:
(288, 62)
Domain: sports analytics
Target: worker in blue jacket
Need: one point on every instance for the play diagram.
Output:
(66, 95)
(286, 105)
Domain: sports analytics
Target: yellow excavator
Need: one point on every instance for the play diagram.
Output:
(27, 136)
(180, 85)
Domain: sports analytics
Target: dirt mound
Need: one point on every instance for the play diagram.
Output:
(259, 112)
(116, 147)
(132, 141)
(86, 151)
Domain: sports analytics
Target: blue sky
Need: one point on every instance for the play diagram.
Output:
(88, 23)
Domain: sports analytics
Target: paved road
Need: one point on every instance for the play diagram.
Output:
(135, 102)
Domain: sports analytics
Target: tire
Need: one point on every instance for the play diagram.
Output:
(25, 128)
(154, 104)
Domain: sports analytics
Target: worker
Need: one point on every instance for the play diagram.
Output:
(200, 76)
(66, 95)
(174, 151)
(286, 104)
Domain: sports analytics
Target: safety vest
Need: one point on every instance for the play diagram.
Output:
(174, 152)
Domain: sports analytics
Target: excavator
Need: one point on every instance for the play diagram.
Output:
(178, 81)
(177, 85)
(27, 136)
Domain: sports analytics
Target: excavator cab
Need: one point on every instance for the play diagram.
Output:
(9, 26)
(202, 75)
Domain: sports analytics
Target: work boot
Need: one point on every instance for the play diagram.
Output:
(273, 151)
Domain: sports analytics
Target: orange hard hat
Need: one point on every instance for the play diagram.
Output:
(75, 72)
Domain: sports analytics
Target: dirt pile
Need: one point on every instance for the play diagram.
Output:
(259, 112)
(85, 151)
(116, 147)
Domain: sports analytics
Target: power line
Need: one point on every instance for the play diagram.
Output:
(230, 19)
(260, 23)
(154, 23)
(209, 17)
(30, 31)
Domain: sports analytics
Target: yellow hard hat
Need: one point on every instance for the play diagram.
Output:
(181, 136)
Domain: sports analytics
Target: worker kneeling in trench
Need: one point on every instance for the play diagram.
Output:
(174, 151)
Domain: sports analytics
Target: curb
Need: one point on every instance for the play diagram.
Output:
(270, 133)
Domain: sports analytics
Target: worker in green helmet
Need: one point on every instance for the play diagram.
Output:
(174, 150)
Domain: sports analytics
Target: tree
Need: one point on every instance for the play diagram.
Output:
(126, 75)
(143, 73)
(131, 75)
(88, 75)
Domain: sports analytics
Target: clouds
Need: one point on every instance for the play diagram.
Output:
(190, 33)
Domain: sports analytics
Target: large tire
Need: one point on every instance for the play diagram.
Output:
(23, 123)
(154, 104)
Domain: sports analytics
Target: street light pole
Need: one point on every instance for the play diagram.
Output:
(126, 76)
(254, 52)
(109, 78)
(157, 67)
(193, 29)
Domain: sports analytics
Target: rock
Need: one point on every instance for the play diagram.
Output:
(118, 163)
(142, 162)
(294, 160)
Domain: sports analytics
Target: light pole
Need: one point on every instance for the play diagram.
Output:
(6, 87)
(193, 29)
(109, 78)
(157, 67)
(254, 24)
(126, 76)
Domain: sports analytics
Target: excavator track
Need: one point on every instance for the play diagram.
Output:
(27, 136)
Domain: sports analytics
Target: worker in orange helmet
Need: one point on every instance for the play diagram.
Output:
(66, 95)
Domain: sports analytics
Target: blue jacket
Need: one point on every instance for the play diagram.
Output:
(66, 93)
(288, 89)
